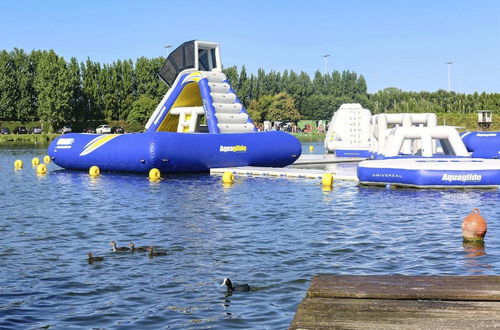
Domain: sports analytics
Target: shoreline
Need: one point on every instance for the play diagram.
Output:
(45, 138)
(27, 139)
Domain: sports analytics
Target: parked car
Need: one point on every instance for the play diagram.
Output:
(65, 129)
(36, 130)
(20, 130)
(118, 130)
(103, 129)
(89, 130)
(4, 130)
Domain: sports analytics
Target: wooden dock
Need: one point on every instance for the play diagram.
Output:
(282, 172)
(400, 302)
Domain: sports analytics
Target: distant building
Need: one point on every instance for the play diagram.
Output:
(484, 118)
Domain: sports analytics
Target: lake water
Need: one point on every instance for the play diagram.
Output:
(274, 234)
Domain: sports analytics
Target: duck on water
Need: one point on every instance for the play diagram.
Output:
(119, 249)
(133, 248)
(152, 253)
(235, 288)
(91, 258)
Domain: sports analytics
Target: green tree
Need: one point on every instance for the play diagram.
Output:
(319, 107)
(108, 81)
(319, 83)
(25, 95)
(53, 84)
(282, 109)
(231, 75)
(243, 87)
(77, 100)
(127, 89)
(91, 90)
(257, 110)
(147, 79)
(8, 87)
(141, 110)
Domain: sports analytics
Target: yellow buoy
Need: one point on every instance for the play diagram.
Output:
(327, 180)
(18, 164)
(41, 169)
(311, 148)
(35, 161)
(94, 171)
(46, 159)
(228, 177)
(154, 174)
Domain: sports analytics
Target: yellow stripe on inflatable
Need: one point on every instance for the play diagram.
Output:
(194, 76)
(190, 96)
(97, 142)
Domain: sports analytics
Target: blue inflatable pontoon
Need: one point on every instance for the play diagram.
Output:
(199, 124)
(425, 165)
(431, 173)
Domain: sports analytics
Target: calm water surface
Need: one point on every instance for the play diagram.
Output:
(274, 234)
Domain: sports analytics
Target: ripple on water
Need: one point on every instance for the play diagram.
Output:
(274, 234)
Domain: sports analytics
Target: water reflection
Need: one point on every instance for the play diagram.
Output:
(474, 249)
(473, 253)
(326, 189)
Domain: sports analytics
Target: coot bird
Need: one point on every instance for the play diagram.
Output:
(236, 288)
(91, 258)
(152, 253)
(119, 249)
(139, 248)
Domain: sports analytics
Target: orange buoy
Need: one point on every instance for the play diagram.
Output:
(474, 226)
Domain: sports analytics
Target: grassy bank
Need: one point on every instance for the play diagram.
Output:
(44, 138)
(309, 137)
(467, 121)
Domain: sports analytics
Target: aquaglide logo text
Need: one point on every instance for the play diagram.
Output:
(236, 148)
(461, 177)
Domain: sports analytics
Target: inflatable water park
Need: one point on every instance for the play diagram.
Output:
(199, 124)
(410, 150)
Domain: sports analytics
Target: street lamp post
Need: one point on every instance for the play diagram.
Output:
(449, 75)
(325, 57)
(167, 47)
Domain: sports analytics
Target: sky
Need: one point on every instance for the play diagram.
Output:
(392, 43)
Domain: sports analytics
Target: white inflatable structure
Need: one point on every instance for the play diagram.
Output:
(423, 167)
(379, 125)
(354, 132)
(349, 132)
(421, 142)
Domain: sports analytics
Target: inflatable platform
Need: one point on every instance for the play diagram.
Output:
(431, 173)
(199, 124)
(436, 158)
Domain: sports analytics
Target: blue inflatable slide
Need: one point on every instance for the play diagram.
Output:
(199, 124)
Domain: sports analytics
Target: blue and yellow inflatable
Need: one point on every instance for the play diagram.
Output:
(198, 125)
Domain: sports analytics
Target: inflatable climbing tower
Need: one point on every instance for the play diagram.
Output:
(199, 124)
(200, 98)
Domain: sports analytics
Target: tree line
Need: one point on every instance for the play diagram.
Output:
(43, 86)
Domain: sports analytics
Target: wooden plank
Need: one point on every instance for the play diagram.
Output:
(327, 313)
(400, 302)
(467, 288)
